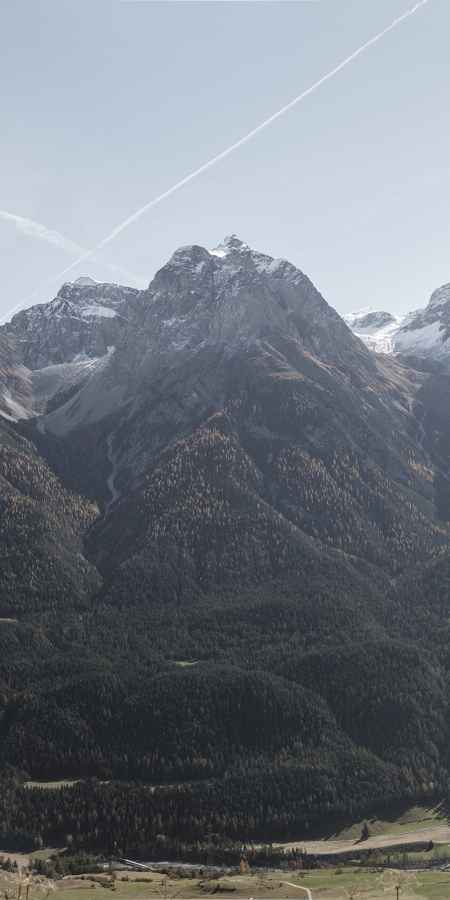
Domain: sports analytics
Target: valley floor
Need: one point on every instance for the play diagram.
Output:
(329, 884)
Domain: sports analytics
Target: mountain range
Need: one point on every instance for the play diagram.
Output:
(421, 335)
(224, 557)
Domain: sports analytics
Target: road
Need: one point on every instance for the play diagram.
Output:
(300, 887)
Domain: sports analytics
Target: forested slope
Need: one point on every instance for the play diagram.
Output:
(256, 634)
(265, 555)
(42, 529)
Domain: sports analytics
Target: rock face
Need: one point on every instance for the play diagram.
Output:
(58, 346)
(15, 389)
(186, 338)
(85, 318)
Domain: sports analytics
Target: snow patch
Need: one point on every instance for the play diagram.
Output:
(90, 311)
(219, 253)
(228, 245)
(84, 281)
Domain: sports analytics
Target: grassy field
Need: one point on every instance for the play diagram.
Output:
(330, 884)
(404, 826)
(403, 819)
(325, 884)
(64, 782)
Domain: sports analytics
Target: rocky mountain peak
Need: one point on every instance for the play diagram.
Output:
(84, 281)
(160, 359)
(426, 332)
(440, 297)
(365, 319)
(225, 300)
(229, 245)
(182, 344)
(85, 318)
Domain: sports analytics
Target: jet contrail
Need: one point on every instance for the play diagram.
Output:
(256, 131)
(41, 233)
(118, 269)
(216, 159)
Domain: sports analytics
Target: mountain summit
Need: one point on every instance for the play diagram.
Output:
(145, 365)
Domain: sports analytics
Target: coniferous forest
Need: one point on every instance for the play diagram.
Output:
(256, 638)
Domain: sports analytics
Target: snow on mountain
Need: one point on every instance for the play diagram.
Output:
(426, 332)
(376, 329)
(423, 333)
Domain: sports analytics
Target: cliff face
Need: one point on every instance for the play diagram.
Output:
(84, 319)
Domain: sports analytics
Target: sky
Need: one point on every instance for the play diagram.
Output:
(106, 104)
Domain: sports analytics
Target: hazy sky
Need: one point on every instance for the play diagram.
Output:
(106, 104)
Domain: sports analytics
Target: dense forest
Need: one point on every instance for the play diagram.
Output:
(256, 637)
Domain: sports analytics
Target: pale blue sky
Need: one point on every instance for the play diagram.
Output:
(106, 104)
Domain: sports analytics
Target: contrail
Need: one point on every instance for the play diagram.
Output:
(41, 233)
(257, 130)
(225, 153)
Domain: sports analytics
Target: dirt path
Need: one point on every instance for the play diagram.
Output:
(300, 887)
(439, 834)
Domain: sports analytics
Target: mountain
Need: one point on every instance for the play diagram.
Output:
(426, 332)
(226, 546)
(377, 330)
(59, 345)
(184, 341)
(180, 348)
(81, 323)
(423, 334)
